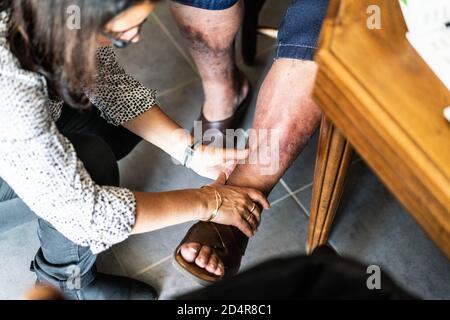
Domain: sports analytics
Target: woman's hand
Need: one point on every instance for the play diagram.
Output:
(241, 207)
(210, 162)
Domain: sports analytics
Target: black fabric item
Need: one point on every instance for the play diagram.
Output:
(320, 276)
(120, 140)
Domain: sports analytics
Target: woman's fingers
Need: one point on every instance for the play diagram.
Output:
(251, 220)
(244, 226)
(258, 197)
(221, 180)
(255, 211)
(229, 168)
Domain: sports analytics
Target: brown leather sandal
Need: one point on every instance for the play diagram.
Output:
(232, 122)
(229, 243)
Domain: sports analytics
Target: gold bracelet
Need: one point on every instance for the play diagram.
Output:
(219, 202)
(219, 205)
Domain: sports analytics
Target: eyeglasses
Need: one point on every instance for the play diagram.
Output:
(116, 40)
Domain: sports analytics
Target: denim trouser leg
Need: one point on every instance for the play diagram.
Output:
(62, 263)
(59, 261)
(6, 193)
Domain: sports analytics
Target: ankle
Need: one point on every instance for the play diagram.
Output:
(248, 179)
(222, 98)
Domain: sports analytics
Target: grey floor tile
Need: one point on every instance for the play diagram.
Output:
(155, 61)
(304, 197)
(373, 227)
(168, 281)
(301, 173)
(140, 252)
(149, 169)
(109, 264)
(282, 233)
(165, 16)
(184, 104)
(277, 193)
(14, 213)
(17, 249)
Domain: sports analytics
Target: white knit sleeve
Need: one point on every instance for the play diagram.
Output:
(42, 167)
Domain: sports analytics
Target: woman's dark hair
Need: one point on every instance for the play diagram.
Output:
(44, 42)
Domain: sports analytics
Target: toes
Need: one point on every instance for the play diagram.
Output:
(203, 257)
(212, 264)
(190, 251)
(220, 270)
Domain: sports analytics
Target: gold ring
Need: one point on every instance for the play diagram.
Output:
(248, 216)
(253, 208)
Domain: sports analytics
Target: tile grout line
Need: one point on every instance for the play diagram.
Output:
(122, 267)
(283, 183)
(280, 199)
(274, 202)
(154, 265)
(174, 42)
(301, 205)
(302, 188)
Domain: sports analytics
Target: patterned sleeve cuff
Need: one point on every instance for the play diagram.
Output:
(119, 97)
(134, 100)
(115, 222)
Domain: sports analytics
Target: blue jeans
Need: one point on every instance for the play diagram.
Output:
(299, 31)
(98, 145)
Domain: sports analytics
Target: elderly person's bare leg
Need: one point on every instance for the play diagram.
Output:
(210, 35)
(285, 105)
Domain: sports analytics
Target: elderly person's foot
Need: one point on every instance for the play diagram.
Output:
(204, 257)
(221, 258)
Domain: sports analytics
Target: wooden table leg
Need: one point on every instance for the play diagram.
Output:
(334, 156)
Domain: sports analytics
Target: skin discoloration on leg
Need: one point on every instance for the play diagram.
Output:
(285, 104)
(210, 39)
(200, 42)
